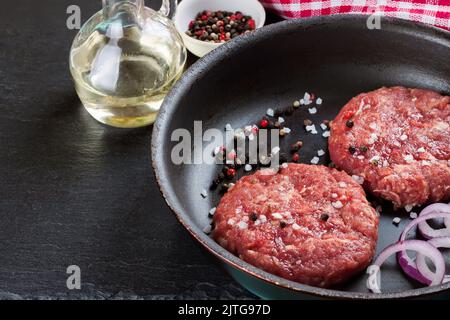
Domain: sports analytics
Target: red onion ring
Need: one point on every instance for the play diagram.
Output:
(425, 229)
(442, 242)
(420, 246)
(409, 265)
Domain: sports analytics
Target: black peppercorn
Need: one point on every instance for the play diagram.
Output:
(363, 149)
(324, 217)
(349, 124)
(253, 217)
(352, 149)
(282, 224)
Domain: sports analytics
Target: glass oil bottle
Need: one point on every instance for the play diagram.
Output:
(124, 60)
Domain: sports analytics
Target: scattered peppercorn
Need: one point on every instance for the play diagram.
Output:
(363, 149)
(332, 165)
(374, 162)
(219, 26)
(296, 146)
(349, 123)
(231, 172)
(283, 224)
(352, 149)
(295, 157)
(264, 123)
(324, 217)
(253, 217)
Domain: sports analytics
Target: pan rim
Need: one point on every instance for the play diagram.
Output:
(201, 66)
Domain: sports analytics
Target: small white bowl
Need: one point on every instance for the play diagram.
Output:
(188, 9)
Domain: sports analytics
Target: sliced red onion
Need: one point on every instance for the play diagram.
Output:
(409, 265)
(425, 229)
(419, 246)
(443, 242)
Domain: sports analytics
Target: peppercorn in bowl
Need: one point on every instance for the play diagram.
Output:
(206, 24)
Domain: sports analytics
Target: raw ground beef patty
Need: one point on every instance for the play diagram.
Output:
(398, 141)
(310, 224)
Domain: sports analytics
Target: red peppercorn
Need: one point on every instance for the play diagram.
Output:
(222, 36)
(204, 17)
(264, 123)
(251, 24)
(231, 172)
(295, 157)
(191, 24)
(232, 155)
(233, 17)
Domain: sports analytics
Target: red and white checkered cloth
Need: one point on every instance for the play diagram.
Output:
(435, 12)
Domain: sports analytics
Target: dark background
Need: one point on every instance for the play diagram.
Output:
(73, 191)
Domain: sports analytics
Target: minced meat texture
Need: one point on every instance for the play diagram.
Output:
(310, 224)
(400, 143)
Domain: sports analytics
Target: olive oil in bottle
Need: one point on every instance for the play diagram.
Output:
(124, 61)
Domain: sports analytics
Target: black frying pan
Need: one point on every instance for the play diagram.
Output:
(335, 57)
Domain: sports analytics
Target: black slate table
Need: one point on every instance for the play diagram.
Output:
(75, 192)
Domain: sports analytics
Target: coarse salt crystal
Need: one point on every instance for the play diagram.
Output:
(360, 157)
(284, 165)
(212, 211)
(312, 110)
(231, 221)
(263, 218)
(248, 167)
(396, 220)
(323, 126)
(413, 215)
(337, 204)
(409, 207)
(374, 158)
(286, 130)
(408, 158)
(277, 215)
(334, 195)
(358, 179)
(373, 125)
(315, 160)
(280, 119)
(228, 127)
(421, 150)
(319, 101)
(217, 150)
(204, 193)
(270, 112)
(257, 222)
(320, 152)
(242, 225)
(342, 184)
(403, 137)
(373, 137)
(295, 226)
(326, 134)
(275, 150)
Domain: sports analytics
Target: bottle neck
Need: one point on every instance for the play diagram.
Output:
(111, 7)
